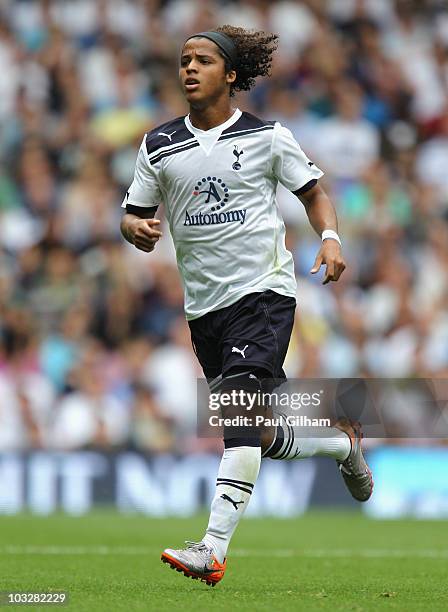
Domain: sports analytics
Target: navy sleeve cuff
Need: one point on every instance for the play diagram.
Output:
(306, 187)
(145, 212)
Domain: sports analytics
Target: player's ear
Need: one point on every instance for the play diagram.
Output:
(230, 76)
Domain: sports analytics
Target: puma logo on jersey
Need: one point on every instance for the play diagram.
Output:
(241, 351)
(169, 136)
(229, 499)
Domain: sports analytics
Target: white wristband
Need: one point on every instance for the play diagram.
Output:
(330, 234)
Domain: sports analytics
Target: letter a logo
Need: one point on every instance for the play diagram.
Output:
(215, 189)
(212, 191)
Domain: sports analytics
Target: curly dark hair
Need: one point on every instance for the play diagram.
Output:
(255, 50)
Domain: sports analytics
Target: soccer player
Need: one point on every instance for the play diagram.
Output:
(216, 172)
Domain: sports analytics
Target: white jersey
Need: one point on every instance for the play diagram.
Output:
(218, 188)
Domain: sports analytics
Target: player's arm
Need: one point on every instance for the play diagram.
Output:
(139, 227)
(322, 216)
(297, 173)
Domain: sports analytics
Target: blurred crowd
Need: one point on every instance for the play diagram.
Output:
(94, 348)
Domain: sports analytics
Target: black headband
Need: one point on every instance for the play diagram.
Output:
(224, 42)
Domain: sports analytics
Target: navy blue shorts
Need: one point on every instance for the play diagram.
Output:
(252, 333)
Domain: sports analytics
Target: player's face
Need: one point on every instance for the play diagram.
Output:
(202, 72)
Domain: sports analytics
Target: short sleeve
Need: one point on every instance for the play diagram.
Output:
(290, 165)
(144, 190)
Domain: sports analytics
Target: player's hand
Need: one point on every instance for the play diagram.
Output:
(145, 234)
(330, 255)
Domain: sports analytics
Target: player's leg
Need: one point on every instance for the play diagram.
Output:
(250, 353)
(271, 333)
(341, 442)
(237, 474)
(240, 463)
(288, 442)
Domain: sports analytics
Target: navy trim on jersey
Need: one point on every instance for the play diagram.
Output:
(245, 132)
(175, 132)
(247, 121)
(154, 140)
(173, 151)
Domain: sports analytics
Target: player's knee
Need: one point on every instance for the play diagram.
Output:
(242, 405)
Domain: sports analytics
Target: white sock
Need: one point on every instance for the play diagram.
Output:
(292, 443)
(237, 474)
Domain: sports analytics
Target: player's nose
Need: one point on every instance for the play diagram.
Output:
(191, 67)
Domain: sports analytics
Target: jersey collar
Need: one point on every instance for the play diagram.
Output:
(218, 128)
(208, 138)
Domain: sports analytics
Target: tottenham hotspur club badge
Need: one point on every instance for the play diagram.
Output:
(236, 165)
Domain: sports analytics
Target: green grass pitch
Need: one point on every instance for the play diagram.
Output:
(321, 561)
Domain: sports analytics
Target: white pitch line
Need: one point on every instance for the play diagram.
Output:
(237, 552)
(75, 550)
(378, 553)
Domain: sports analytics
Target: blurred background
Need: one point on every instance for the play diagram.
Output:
(95, 353)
